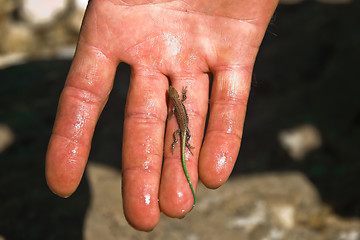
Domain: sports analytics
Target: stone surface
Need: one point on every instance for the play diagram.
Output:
(7, 6)
(254, 207)
(81, 4)
(17, 38)
(75, 19)
(12, 59)
(42, 11)
(7, 137)
(300, 140)
(37, 29)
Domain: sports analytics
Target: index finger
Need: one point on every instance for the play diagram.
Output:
(86, 90)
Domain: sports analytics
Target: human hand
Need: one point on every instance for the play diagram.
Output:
(178, 40)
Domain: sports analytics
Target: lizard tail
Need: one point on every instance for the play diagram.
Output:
(188, 178)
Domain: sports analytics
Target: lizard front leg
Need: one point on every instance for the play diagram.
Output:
(171, 113)
(175, 140)
(184, 90)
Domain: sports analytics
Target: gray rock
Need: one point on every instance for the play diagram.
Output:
(42, 11)
(251, 207)
(75, 17)
(17, 37)
(7, 138)
(7, 6)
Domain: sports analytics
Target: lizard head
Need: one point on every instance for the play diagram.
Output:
(173, 92)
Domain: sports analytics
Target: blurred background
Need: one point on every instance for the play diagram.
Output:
(298, 170)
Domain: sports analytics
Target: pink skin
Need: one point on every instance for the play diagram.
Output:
(180, 40)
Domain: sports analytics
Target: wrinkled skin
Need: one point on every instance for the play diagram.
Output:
(177, 42)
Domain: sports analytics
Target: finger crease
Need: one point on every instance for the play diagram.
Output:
(145, 117)
(230, 102)
(72, 140)
(84, 95)
(142, 168)
(226, 134)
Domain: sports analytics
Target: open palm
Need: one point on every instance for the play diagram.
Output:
(177, 42)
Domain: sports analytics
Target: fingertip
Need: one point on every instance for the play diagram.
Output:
(63, 193)
(177, 208)
(141, 212)
(210, 182)
(61, 185)
(61, 188)
(213, 178)
(63, 171)
(217, 160)
(140, 199)
(176, 196)
(176, 200)
(142, 220)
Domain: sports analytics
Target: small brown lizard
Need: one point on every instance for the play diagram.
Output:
(183, 120)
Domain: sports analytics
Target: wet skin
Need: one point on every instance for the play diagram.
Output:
(178, 40)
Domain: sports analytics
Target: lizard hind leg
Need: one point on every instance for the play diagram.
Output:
(189, 147)
(187, 144)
